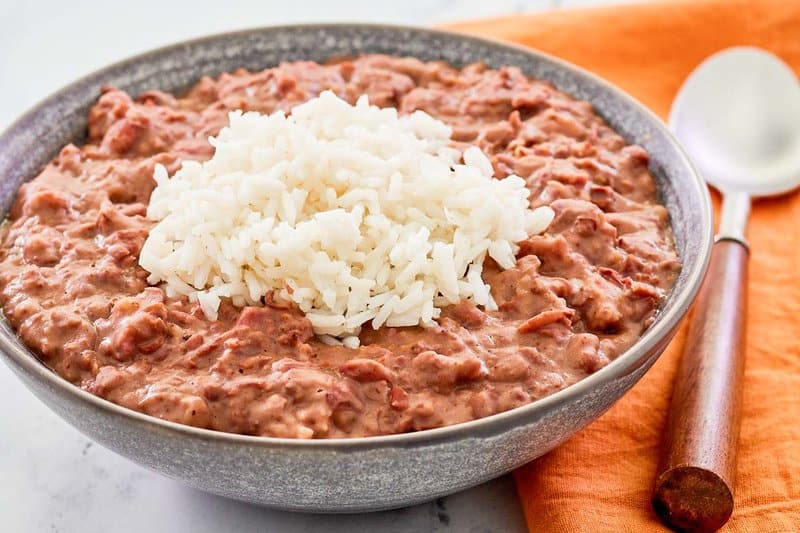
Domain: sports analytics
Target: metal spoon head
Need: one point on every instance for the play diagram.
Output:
(738, 117)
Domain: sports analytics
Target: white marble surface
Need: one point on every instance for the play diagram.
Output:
(52, 478)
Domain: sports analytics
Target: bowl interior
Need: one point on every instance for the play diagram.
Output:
(39, 134)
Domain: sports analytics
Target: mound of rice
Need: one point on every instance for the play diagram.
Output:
(353, 213)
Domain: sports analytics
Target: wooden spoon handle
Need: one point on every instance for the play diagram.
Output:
(694, 485)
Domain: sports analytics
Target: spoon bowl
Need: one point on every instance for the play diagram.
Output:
(737, 116)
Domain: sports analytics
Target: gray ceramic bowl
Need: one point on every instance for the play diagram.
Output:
(367, 473)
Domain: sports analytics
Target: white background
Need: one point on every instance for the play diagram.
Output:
(52, 478)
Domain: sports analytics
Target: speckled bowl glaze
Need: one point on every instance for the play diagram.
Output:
(367, 473)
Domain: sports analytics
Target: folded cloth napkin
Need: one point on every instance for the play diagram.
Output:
(602, 478)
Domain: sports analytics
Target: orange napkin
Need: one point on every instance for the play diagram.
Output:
(601, 479)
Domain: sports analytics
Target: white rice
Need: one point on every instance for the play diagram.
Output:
(351, 212)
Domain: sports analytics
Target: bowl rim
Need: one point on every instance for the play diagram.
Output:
(628, 361)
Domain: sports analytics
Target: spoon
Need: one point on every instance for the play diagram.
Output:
(738, 117)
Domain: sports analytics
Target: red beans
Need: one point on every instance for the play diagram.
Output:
(578, 296)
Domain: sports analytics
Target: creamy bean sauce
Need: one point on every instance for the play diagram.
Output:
(579, 295)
